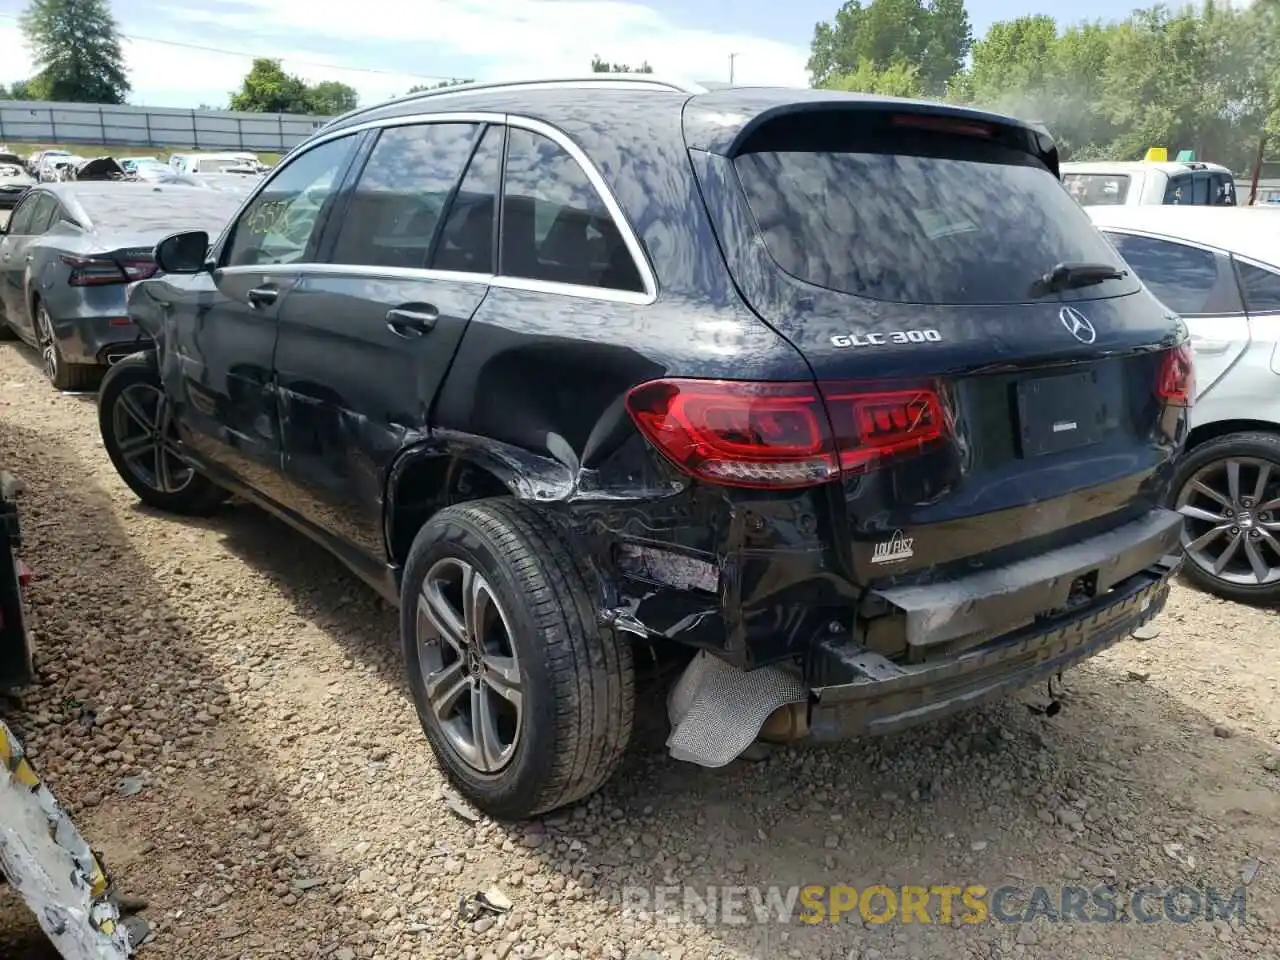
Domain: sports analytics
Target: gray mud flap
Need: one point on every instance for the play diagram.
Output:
(717, 710)
(51, 867)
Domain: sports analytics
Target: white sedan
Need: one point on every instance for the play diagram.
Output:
(1219, 268)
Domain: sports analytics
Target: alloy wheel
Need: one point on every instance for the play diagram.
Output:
(1232, 512)
(145, 437)
(469, 667)
(48, 345)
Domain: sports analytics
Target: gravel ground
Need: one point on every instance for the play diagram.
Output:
(222, 711)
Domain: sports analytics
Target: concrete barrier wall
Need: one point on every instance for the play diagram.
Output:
(23, 121)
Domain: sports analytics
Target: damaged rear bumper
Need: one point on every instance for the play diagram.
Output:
(891, 697)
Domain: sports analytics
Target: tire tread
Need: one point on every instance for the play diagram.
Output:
(590, 666)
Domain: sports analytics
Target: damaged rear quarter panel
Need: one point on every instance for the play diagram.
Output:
(543, 380)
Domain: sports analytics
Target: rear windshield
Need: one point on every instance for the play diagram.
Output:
(129, 208)
(919, 218)
(1097, 189)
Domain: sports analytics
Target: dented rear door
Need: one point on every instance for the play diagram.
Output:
(368, 335)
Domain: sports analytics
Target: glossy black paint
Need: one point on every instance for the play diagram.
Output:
(355, 432)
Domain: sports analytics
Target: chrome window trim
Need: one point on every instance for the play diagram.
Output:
(647, 276)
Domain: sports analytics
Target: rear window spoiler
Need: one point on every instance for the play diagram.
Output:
(726, 122)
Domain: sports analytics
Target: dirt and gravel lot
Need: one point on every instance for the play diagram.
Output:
(222, 710)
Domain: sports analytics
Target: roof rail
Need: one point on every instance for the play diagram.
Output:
(629, 80)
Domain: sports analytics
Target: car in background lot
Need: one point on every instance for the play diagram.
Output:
(235, 183)
(838, 403)
(14, 180)
(136, 164)
(68, 255)
(1219, 269)
(1149, 183)
(212, 162)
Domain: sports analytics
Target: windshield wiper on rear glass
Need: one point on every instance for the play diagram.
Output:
(1071, 276)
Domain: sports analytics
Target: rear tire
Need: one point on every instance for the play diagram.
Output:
(1215, 517)
(7, 332)
(70, 377)
(531, 631)
(141, 442)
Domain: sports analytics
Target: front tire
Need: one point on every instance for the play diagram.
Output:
(71, 377)
(526, 700)
(1228, 491)
(139, 434)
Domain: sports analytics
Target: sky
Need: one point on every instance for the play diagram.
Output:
(383, 47)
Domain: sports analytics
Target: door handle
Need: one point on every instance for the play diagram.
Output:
(263, 296)
(412, 323)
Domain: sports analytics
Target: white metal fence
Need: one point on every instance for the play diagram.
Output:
(23, 121)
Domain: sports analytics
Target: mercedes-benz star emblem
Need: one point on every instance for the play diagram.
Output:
(1077, 324)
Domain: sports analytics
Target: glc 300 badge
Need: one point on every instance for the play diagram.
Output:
(897, 547)
(880, 339)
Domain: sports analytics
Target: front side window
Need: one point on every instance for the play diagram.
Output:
(555, 226)
(279, 225)
(1187, 280)
(401, 194)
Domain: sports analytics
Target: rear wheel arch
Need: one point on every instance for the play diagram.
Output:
(1205, 432)
(425, 480)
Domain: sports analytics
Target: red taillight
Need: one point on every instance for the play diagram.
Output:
(1177, 383)
(97, 271)
(876, 424)
(780, 435)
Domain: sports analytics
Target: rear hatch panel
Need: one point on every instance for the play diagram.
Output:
(1055, 431)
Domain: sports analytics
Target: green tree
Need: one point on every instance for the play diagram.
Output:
(330, 98)
(420, 87)
(268, 89)
(1204, 78)
(76, 46)
(934, 36)
(603, 66)
(899, 79)
(18, 90)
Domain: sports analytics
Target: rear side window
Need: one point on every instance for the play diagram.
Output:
(1189, 281)
(401, 194)
(466, 241)
(1261, 288)
(42, 216)
(1097, 189)
(1178, 190)
(1224, 190)
(20, 219)
(917, 218)
(555, 226)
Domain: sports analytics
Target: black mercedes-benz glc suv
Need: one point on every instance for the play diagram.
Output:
(837, 402)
